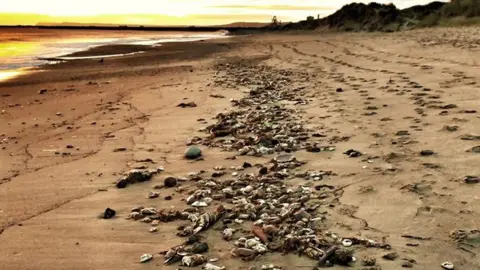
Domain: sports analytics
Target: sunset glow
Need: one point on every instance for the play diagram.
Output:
(168, 12)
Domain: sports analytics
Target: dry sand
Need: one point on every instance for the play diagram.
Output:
(49, 202)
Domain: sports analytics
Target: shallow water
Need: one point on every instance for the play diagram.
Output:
(21, 49)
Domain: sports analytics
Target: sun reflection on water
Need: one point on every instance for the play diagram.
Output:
(9, 74)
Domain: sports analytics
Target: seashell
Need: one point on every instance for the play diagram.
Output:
(313, 253)
(218, 197)
(172, 254)
(242, 252)
(260, 248)
(347, 242)
(247, 190)
(206, 220)
(146, 220)
(284, 158)
(227, 234)
(250, 243)
(194, 260)
(148, 211)
(135, 216)
(448, 265)
(146, 257)
(234, 173)
(200, 248)
(270, 267)
(302, 214)
(191, 199)
(153, 194)
(210, 184)
(208, 200)
(228, 191)
(186, 231)
(210, 266)
(368, 261)
(342, 256)
(200, 204)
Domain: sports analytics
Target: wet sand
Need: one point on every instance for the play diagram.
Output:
(398, 96)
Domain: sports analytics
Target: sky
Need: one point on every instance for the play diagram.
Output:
(170, 12)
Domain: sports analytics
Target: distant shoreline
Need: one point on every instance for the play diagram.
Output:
(144, 28)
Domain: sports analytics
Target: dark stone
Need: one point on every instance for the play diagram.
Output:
(42, 91)
(263, 171)
(246, 165)
(189, 104)
(475, 149)
(402, 133)
(192, 239)
(109, 213)
(449, 106)
(472, 179)
(193, 152)
(427, 153)
(121, 149)
(170, 182)
(339, 90)
(353, 153)
(407, 265)
(390, 256)
(200, 248)
(122, 183)
(313, 149)
(168, 198)
(70, 146)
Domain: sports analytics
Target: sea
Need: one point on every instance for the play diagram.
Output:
(23, 49)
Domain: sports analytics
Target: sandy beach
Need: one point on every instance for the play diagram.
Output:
(406, 101)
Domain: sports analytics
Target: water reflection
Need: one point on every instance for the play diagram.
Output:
(8, 74)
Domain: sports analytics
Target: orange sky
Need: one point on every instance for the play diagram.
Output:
(167, 12)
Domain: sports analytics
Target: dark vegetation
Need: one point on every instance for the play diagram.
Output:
(388, 18)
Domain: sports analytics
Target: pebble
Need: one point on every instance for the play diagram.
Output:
(109, 213)
(368, 261)
(210, 266)
(390, 256)
(448, 265)
(170, 182)
(353, 153)
(153, 194)
(193, 152)
(153, 229)
(146, 257)
(426, 153)
(471, 179)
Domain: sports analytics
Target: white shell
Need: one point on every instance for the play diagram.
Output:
(146, 257)
(347, 242)
(200, 204)
(448, 265)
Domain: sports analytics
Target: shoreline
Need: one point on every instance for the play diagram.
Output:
(118, 49)
(63, 149)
